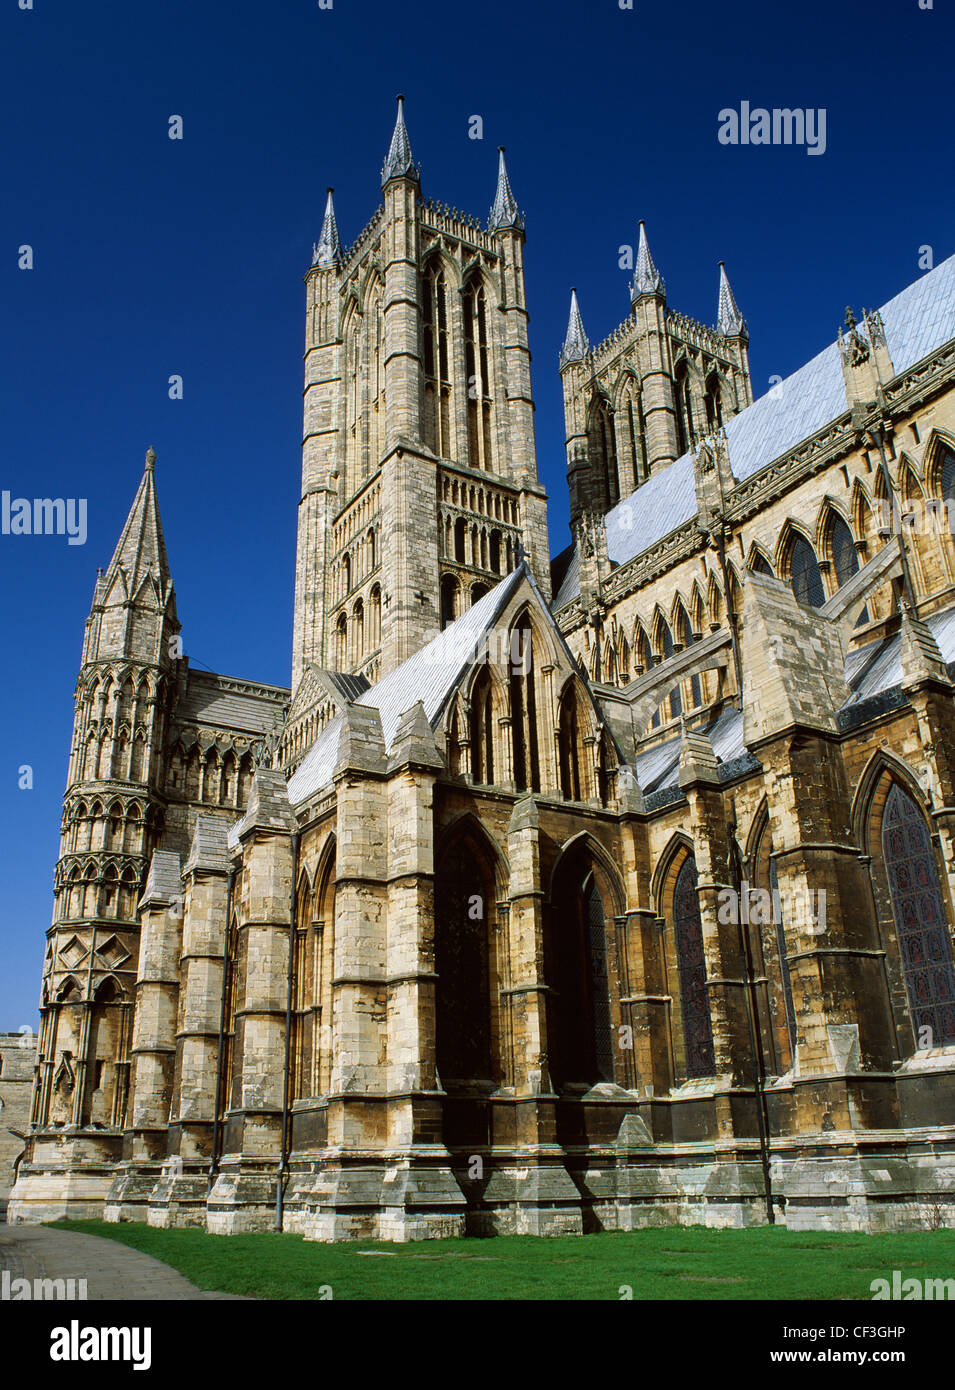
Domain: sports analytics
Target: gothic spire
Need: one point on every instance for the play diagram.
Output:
(141, 548)
(505, 213)
(576, 344)
(399, 163)
(646, 278)
(729, 320)
(327, 251)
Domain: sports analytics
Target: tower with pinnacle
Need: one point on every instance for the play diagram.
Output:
(649, 392)
(419, 471)
(112, 816)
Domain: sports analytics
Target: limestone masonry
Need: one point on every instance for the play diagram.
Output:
(552, 896)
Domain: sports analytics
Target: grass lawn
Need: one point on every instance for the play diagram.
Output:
(670, 1263)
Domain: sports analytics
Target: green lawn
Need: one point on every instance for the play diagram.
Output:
(670, 1263)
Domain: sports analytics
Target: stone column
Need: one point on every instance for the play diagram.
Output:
(536, 1196)
(180, 1197)
(154, 1041)
(244, 1193)
(420, 1197)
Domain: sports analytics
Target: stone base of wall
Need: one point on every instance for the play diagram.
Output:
(242, 1199)
(402, 1200)
(892, 1184)
(129, 1194)
(69, 1177)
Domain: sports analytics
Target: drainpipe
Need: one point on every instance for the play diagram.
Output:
(286, 1087)
(214, 1160)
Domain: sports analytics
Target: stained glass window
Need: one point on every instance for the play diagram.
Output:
(948, 483)
(688, 932)
(924, 940)
(804, 574)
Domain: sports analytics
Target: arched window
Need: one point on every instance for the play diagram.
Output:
(644, 663)
(314, 925)
(449, 599)
(691, 965)
(667, 649)
(437, 390)
(495, 551)
(568, 739)
(684, 409)
(686, 634)
(341, 643)
(477, 368)
(714, 404)
(845, 558)
(580, 1038)
(375, 635)
(947, 484)
(804, 575)
(524, 709)
(477, 593)
(760, 565)
(918, 907)
(464, 899)
(603, 456)
(482, 730)
(845, 561)
(767, 930)
(460, 527)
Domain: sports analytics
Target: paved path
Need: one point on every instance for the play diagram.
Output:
(111, 1270)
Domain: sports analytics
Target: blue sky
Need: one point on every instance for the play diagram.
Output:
(155, 258)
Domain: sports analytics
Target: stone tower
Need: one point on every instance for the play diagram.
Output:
(650, 392)
(419, 472)
(112, 819)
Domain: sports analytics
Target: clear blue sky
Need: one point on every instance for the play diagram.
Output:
(155, 257)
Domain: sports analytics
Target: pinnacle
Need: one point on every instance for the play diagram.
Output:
(505, 214)
(646, 278)
(327, 251)
(730, 321)
(576, 344)
(399, 162)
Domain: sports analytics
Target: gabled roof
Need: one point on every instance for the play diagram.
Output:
(917, 322)
(430, 675)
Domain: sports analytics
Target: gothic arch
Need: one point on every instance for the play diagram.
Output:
(616, 885)
(828, 509)
(758, 561)
(678, 905)
(583, 901)
(914, 911)
(940, 442)
(469, 973)
(882, 762)
(757, 825)
(678, 845)
(468, 822)
(796, 559)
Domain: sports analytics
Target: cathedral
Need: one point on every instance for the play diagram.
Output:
(552, 895)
